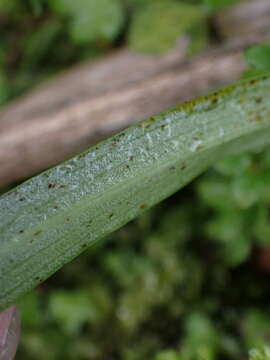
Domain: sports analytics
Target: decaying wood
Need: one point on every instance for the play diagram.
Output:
(244, 18)
(94, 100)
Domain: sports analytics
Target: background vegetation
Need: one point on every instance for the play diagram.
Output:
(189, 279)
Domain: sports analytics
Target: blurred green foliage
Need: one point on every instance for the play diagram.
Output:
(258, 58)
(214, 5)
(159, 288)
(260, 354)
(40, 37)
(94, 20)
(189, 279)
(237, 189)
(152, 32)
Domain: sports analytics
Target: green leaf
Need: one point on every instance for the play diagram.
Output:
(234, 166)
(201, 338)
(255, 328)
(258, 57)
(37, 7)
(30, 309)
(51, 218)
(214, 5)
(91, 20)
(7, 6)
(36, 44)
(198, 38)
(168, 355)
(262, 353)
(262, 226)
(72, 309)
(157, 26)
(4, 89)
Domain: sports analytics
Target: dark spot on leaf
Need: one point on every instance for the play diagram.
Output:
(37, 233)
(252, 81)
(22, 199)
(257, 118)
(214, 100)
(258, 99)
(51, 186)
(172, 168)
(55, 206)
(183, 166)
(81, 156)
(67, 219)
(142, 206)
(111, 215)
(83, 246)
(21, 231)
(131, 158)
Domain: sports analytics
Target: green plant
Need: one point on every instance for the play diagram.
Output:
(185, 257)
(51, 218)
(91, 20)
(152, 33)
(260, 354)
(41, 37)
(258, 59)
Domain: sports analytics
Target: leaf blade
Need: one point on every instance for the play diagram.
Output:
(50, 219)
